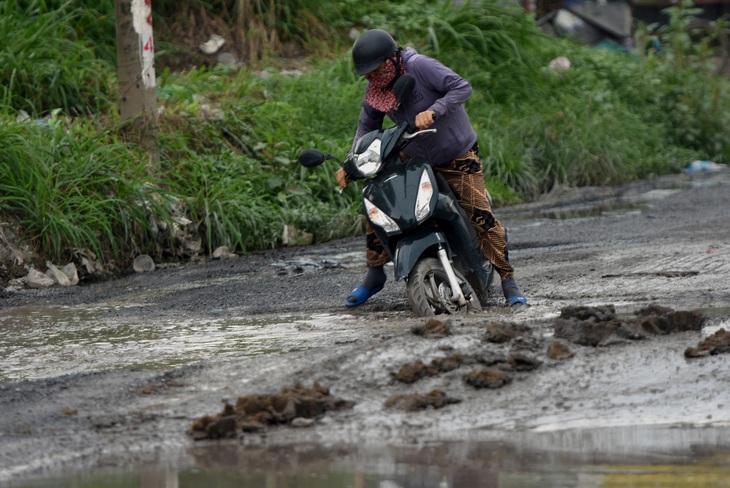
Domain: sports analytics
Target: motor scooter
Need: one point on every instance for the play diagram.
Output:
(418, 220)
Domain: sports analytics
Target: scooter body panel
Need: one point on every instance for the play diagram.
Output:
(395, 192)
(411, 248)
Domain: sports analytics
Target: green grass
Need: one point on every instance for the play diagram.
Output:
(43, 64)
(246, 188)
(70, 189)
(230, 137)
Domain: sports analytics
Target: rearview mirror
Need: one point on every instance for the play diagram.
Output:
(311, 158)
(403, 87)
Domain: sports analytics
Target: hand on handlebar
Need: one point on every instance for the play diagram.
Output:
(342, 178)
(425, 119)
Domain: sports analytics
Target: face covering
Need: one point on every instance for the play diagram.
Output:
(380, 89)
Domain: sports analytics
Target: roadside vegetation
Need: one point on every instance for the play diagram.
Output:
(70, 184)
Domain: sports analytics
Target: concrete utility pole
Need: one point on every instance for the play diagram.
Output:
(136, 72)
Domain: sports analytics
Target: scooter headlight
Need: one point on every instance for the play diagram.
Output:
(368, 162)
(379, 218)
(423, 200)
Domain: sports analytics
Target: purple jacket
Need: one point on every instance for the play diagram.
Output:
(439, 89)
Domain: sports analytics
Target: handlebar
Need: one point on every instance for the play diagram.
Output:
(412, 135)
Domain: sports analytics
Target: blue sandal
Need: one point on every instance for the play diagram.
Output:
(360, 295)
(512, 301)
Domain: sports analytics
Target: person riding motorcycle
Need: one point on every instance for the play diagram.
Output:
(437, 102)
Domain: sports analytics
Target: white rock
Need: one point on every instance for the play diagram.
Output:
(143, 263)
(223, 252)
(57, 275)
(302, 422)
(213, 44)
(70, 271)
(36, 279)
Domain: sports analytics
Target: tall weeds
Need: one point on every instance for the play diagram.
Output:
(230, 136)
(43, 65)
(69, 189)
(692, 100)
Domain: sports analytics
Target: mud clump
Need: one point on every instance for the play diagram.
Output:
(499, 332)
(413, 402)
(255, 413)
(559, 351)
(487, 378)
(414, 371)
(215, 426)
(433, 329)
(717, 343)
(599, 326)
(603, 313)
(522, 362)
(497, 360)
(592, 326)
(658, 320)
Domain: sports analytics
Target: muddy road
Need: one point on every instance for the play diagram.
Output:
(115, 374)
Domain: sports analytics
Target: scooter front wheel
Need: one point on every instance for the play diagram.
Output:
(429, 291)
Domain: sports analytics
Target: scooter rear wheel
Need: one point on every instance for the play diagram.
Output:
(429, 291)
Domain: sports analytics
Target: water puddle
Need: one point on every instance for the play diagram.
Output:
(614, 209)
(41, 342)
(707, 179)
(617, 457)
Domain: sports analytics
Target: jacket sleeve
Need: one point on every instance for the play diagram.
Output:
(456, 90)
(370, 120)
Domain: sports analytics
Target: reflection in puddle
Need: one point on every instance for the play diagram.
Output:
(40, 342)
(616, 457)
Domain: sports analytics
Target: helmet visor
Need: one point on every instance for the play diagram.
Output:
(366, 68)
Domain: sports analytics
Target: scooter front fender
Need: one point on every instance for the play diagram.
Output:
(410, 248)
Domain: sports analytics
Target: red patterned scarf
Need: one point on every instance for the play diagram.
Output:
(380, 90)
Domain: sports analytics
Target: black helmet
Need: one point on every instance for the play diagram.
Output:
(371, 49)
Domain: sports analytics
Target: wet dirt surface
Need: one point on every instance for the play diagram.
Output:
(622, 350)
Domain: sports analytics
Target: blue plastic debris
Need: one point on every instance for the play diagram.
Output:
(698, 166)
